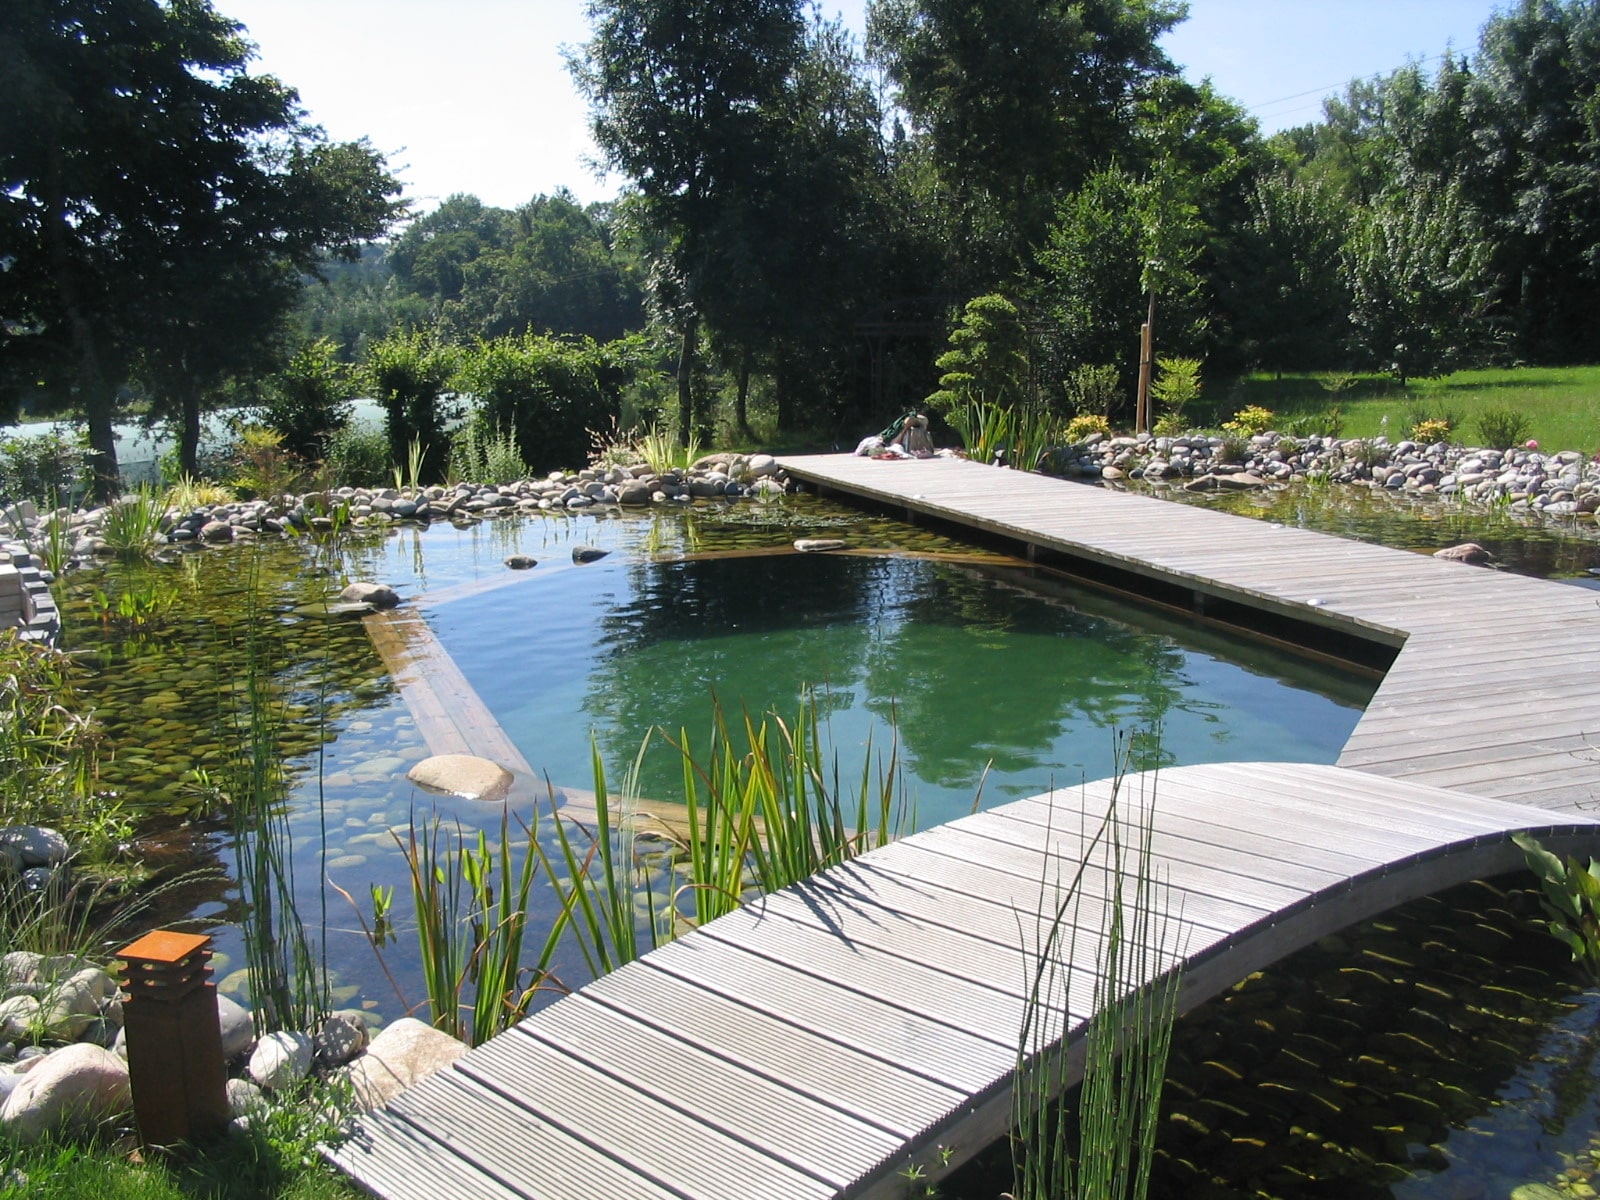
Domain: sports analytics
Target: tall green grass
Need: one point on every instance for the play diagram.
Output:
(1022, 432)
(1102, 1148)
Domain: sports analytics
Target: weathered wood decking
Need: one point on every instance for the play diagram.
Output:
(822, 1041)
(1491, 692)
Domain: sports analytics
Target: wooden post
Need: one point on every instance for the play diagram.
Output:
(174, 1038)
(1141, 407)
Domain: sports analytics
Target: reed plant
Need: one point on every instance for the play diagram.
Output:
(658, 446)
(1013, 435)
(472, 915)
(764, 809)
(479, 454)
(409, 476)
(288, 984)
(1101, 1148)
(132, 523)
(49, 748)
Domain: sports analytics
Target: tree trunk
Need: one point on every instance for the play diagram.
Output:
(691, 329)
(189, 433)
(740, 415)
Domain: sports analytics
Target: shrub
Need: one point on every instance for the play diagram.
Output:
(358, 456)
(47, 467)
(1234, 449)
(262, 467)
(1169, 424)
(1082, 426)
(1092, 391)
(1325, 424)
(1430, 430)
(1250, 421)
(1502, 428)
(411, 375)
(1177, 382)
(309, 399)
(988, 358)
(479, 454)
(544, 393)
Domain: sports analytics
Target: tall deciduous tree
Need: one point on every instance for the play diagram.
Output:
(684, 98)
(142, 164)
(1022, 100)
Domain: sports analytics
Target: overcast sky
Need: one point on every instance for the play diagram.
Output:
(474, 96)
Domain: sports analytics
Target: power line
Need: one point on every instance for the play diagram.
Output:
(1437, 59)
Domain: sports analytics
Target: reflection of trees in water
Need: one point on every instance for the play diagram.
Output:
(979, 673)
(694, 629)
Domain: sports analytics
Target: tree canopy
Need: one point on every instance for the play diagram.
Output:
(156, 195)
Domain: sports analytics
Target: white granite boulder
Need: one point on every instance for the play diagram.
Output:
(73, 1090)
(379, 595)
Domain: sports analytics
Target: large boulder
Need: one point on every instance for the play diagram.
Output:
(280, 1060)
(462, 775)
(405, 1053)
(74, 1090)
(1466, 552)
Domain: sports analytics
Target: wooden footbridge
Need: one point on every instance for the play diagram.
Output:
(859, 1029)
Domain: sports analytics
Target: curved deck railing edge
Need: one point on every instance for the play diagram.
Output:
(1225, 963)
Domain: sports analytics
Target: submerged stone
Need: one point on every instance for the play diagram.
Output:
(462, 775)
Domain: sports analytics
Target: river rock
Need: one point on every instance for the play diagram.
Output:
(405, 1053)
(34, 845)
(817, 545)
(75, 1089)
(462, 775)
(1467, 552)
(244, 1097)
(340, 1037)
(19, 1018)
(521, 562)
(588, 554)
(238, 1027)
(280, 1060)
(379, 595)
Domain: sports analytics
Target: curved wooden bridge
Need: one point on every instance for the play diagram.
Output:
(830, 1039)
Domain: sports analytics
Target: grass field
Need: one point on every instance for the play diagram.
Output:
(1562, 404)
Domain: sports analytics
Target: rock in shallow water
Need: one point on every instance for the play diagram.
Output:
(817, 545)
(462, 775)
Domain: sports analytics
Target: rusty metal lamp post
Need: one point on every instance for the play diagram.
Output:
(174, 1039)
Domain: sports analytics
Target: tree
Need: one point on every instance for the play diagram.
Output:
(988, 358)
(1418, 283)
(146, 177)
(1283, 287)
(683, 98)
(1021, 100)
(410, 373)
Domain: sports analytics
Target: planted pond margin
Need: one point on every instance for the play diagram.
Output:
(542, 497)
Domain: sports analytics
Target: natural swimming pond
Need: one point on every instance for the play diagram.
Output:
(630, 635)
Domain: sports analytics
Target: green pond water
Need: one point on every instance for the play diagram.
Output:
(972, 663)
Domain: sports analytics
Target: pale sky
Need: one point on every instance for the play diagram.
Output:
(473, 95)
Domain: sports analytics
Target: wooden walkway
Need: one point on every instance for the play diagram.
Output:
(1492, 691)
(823, 1041)
(829, 1040)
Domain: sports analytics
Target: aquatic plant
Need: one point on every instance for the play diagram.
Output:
(410, 476)
(485, 455)
(131, 526)
(658, 447)
(1571, 901)
(1103, 1148)
(1009, 435)
(472, 912)
(190, 493)
(49, 749)
(762, 813)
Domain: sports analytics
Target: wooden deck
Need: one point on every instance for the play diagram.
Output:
(1490, 692)
(824, 1040)
(827, 1040)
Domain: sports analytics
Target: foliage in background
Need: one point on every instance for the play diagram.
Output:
(262, 466)
(1090, 391)
(412, 375)
(309, 400)
(1081, 427)
(1250, 421)
(49, 468)
(358, 456)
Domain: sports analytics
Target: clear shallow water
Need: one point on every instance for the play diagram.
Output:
(969, 665)
(631, 640)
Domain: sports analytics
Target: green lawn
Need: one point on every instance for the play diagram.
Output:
(1561, 403)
